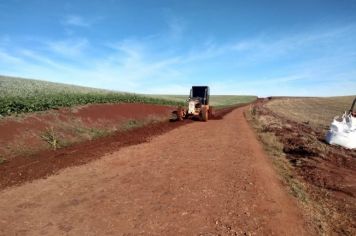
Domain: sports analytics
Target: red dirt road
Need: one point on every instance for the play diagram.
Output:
(199, 179)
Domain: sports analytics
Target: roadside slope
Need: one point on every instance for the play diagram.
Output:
(201, 178)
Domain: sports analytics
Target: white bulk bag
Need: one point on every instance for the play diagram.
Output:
(343, 132)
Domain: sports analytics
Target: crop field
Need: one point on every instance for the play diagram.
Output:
(215, 100)
(24, 95)
(319, 112)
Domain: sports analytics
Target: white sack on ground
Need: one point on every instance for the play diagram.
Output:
(343, 132)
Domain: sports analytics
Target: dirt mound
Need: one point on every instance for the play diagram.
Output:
(24, 135)
(119, 112)
(47, 162)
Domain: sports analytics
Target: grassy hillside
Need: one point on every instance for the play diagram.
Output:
(24, 95)
(10, 87)
(317, 111)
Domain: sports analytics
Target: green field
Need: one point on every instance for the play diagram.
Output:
(215, 100)
(24, 95)
(19, 95)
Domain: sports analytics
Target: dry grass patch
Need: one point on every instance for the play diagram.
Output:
(318, 112)
(2, 160)
(321, 176)
(275, 150)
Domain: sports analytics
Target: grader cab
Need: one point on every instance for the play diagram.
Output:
(197, 105)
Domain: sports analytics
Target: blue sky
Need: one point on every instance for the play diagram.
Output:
(280, 47)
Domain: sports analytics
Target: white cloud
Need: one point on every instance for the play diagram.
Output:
(76, 20)
(266, 48)
(6, 58)
(34, 58)
(176, 28)
(134, 63)
(261, 48)
(176, 89)
(5, 39)
(137, 65)
(131, 47)
(69, 47)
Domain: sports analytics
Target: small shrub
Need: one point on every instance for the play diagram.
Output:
(97, 133)
(51, 138)
(132, 124)
(2, 160)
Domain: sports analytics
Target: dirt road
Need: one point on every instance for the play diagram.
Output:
(199, 179)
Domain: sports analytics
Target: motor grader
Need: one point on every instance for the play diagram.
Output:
(197, 105)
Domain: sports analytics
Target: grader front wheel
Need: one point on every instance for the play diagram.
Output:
(180, 114)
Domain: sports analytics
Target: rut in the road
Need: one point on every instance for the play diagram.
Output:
(203, 178)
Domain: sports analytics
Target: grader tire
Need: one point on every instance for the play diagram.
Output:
(204, 114)
(180, 115)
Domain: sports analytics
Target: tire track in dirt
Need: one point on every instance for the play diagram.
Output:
(199, 179)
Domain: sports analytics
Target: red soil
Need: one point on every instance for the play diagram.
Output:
(43, 163)
(21, 135)
(118, 112)
(26, 168)
(329, 171)
(204, 178)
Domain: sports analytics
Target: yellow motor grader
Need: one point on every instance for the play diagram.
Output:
(197, 105)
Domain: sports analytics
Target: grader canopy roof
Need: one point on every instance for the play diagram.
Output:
(201, 92)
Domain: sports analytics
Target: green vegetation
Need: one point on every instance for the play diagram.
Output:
(228, 100)
(215, 100)
(130, 124)
(24, 95)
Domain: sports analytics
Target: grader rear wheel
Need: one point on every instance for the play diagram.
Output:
(204, 114)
